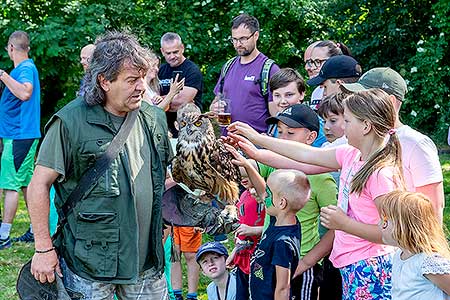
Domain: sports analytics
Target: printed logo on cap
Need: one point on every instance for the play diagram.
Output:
(287, 111)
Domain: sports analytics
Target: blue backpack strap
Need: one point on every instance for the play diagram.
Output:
(264, 78)
(224, 72)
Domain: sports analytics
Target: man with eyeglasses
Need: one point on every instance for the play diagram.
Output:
(243, 81)
(19, 130)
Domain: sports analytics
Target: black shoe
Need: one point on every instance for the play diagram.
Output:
(5, 243)
(27, 237)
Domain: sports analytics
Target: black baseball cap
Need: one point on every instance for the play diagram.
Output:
(297, 116)
(339, 66)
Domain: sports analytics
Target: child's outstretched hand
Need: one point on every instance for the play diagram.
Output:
(245, 145)
(238, 160)
(244, 130)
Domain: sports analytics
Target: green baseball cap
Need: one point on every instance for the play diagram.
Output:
(383, 78)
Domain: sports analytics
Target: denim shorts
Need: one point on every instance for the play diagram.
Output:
(150, 285)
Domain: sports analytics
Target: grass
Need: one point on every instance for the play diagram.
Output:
(13, 258)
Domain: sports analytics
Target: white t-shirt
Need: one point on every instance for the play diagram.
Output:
(337, 142)
(316, 98)
(409, 282)
(420, 158)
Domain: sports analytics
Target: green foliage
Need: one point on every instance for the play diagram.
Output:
(379, 33)
(412, 38)
(428, 73)
(59, 29)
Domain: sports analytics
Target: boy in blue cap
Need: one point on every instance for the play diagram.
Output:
(211, 257)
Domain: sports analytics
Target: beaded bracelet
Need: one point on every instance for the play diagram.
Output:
(45, 251)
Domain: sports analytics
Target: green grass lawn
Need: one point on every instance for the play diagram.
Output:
(13, 258)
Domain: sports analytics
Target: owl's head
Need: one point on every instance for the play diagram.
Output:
(193, 126)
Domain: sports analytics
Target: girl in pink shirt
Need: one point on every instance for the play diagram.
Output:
(370, 167)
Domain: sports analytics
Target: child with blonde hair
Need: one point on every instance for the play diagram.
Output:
(370, 168)
(421, 267)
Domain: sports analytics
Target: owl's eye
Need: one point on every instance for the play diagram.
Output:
(182, 123)
(198, 123)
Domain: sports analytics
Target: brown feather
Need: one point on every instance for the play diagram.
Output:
(202, 161)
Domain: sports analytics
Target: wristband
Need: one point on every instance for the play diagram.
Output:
(45, 251)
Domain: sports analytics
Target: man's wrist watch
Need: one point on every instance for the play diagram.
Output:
(1, 73)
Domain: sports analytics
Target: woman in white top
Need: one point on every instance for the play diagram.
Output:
(152, 91)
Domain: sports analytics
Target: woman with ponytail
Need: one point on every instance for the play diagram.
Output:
(370, 168)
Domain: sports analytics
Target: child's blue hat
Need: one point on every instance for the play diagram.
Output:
(214, 247)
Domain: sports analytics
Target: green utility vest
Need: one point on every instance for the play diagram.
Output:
(100, 239)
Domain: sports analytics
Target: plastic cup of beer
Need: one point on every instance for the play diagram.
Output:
(224, 115)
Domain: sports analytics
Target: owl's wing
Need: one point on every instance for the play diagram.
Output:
(228, 175)
(178, 173)
(190, 170)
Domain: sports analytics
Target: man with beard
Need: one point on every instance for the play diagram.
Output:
(243, 79)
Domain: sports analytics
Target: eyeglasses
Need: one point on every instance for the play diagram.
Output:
(315, 62)
(241, 40)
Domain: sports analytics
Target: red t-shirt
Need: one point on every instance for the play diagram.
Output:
(250, 213)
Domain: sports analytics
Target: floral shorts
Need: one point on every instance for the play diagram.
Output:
(368, 279)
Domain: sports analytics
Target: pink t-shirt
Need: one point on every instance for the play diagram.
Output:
(347, 248)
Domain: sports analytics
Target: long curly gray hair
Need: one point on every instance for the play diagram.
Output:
(112, 50)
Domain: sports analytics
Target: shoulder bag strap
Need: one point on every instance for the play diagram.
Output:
(91, 176)
(224, 72)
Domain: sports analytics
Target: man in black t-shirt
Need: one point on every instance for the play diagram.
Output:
(172, 49)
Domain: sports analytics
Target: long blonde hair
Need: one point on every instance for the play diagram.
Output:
(154, 83)
(375, 107)
(415, 225)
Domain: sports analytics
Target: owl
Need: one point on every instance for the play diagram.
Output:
(202, 161)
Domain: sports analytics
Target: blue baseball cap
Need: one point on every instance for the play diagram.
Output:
(214, 247)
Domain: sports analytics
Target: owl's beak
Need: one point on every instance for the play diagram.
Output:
(188, 130)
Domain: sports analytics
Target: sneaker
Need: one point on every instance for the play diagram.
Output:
(27, 237)
(5, 243)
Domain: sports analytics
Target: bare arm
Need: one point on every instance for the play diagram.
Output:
(291, 149)
(185, 96)
(283, 286)
(43, 265)
(175, 88)
(434, 191)
(249, 230)
(332, 217)
(278, 161)
(258, 182)
(22, 91)
(322, 249)
(442, 281)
